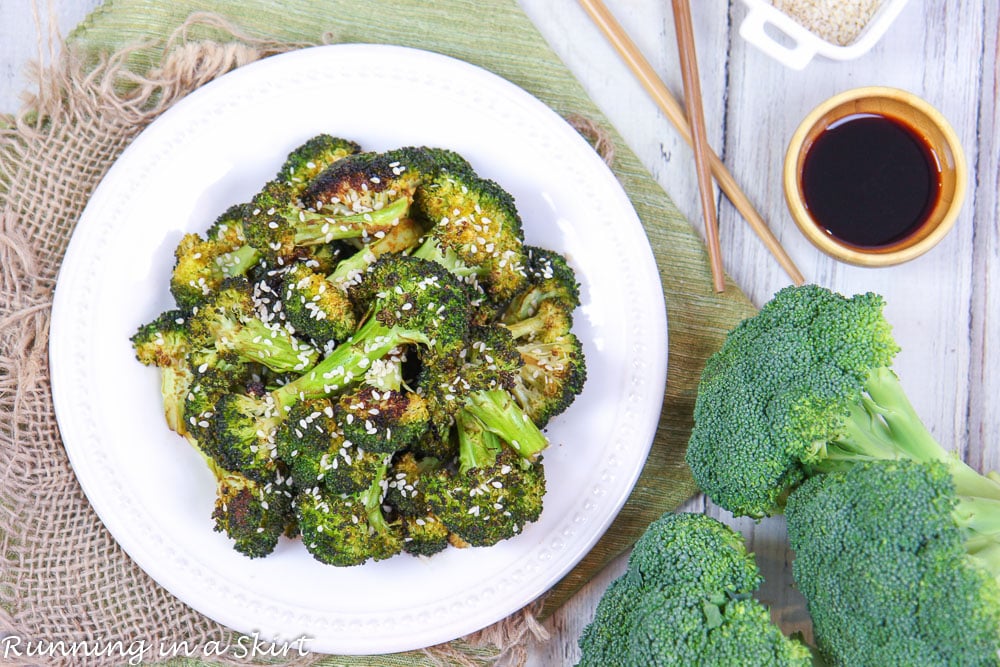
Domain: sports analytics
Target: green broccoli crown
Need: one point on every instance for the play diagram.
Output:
(204, 391)
(164, 342)
(348, 529)
(382, 420)
(500, 414)
(552, 376)
(686, 600)
(315, 307)
(243, 430)
(485, 505)
(229, 321)
(424, 535)
(475, 230)
(552, 319)
(308, 160)
(881, 559)
(550, 278)
(781, 387)
(251, 513)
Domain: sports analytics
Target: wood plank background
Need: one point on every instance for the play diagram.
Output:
(944, 306)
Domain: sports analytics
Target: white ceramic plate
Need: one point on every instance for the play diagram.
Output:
(217, 147)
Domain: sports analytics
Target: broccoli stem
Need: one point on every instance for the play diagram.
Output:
(886, 426)
(323, 229)
(526, 326)
(272, 347)
(477, 446)
(239, 261)
(499, 414)
(446, 257)
(348, 363)
(371, 498)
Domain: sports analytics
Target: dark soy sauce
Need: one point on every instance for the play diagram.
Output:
(870, 181)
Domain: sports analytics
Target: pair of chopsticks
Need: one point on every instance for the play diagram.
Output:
(706, 161)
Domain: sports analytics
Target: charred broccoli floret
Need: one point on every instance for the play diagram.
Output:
(491, 502)
(552, 377)
(243, 430)
(254, 514)
(476, 231)
(310, 442)
(315, 307)
(383, 420)
(550, 279)
(228, 321)
(347, 529)
(164, 343)
(405, 301)
(309, 160)
(202, 264)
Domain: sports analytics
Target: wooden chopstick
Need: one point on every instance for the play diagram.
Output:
(696, 118)
(630, 53)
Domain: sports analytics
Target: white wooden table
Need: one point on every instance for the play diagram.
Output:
(944, 305)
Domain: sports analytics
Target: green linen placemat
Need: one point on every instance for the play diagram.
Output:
(496, 36)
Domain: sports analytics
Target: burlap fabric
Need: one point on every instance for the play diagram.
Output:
(63, 577)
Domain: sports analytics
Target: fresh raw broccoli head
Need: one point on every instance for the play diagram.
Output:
(228, 321)
(487, 504)
(475, 231)
(786, 384)
(315, 307)
(382, 420)
(895, 567)
(551, 378)
(348, 529)
(550, 279)
(308, 160)
(686, 600)
(252, 513)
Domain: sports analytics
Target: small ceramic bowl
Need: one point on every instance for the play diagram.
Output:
(924, 122)
(789, 42)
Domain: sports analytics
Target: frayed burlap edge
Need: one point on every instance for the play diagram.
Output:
(64, 579)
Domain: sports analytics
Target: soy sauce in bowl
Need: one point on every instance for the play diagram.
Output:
(874, 176)
(870, 180)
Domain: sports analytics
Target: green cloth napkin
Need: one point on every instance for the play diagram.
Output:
(498, 36)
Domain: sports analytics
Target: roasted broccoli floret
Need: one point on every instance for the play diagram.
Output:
(551, 378)
(311, 443)
(424, 535)
(279, 224)
(348, 529)
(201, 265)
(686, 599)
(802, 387)
(308, 160)
(242, 431)
(315, 307)
(896, 567)
(228, 321)
(500, 482)
(383, 420)
(165, 343)
(254, 514)
(404, 301)
(550, 280)
(476, 231)
(399, 239)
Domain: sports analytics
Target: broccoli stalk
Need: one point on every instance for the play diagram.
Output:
(502, 417)
(884, 425)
